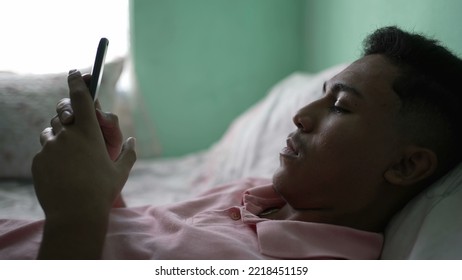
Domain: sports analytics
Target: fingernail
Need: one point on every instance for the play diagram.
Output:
(66, 116)
(73, 72)
(131, 142)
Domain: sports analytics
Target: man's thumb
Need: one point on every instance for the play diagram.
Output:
(127, 156)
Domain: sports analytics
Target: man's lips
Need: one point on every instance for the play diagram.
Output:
(291, 149)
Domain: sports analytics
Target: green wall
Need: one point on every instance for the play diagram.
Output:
(335, 29)
(201, 63)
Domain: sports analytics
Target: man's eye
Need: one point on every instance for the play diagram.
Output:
(338, 110)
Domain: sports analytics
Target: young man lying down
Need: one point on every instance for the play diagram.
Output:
(385, 128)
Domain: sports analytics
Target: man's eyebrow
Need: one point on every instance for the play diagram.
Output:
(337, 87)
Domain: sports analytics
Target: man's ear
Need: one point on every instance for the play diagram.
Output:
(415, 165)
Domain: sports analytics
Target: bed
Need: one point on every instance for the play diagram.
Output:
(429, 227)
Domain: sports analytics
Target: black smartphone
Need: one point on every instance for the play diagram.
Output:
(98, 67)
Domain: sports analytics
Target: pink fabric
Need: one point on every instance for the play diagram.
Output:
(221, 224)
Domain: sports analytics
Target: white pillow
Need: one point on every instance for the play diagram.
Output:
(27, 103)
(429, 227)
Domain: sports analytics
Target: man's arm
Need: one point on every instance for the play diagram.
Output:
(108, 122)
(77, 182)
(80, 238)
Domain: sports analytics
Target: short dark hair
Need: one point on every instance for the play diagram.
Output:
(429, 87)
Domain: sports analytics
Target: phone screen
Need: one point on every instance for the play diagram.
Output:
(98, 67)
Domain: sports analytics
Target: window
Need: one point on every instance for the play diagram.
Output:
(55, 36)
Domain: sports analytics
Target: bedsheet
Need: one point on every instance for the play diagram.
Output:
(151, 182)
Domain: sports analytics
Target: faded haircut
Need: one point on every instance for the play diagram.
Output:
(429, 87)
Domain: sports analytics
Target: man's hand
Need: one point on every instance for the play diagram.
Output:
(77, 181)
(109, 125)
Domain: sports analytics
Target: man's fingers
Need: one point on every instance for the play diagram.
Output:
(63, 105)
(87, 79)
(56, 125)
(97, 104)
(107, 120)
(46, 135)
(127, 157)
(65, 111)
(82, 103)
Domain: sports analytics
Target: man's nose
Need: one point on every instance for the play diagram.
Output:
(304, 119)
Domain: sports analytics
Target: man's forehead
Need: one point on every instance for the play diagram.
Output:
(373, 76)
(366, 73)
(371, 66)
